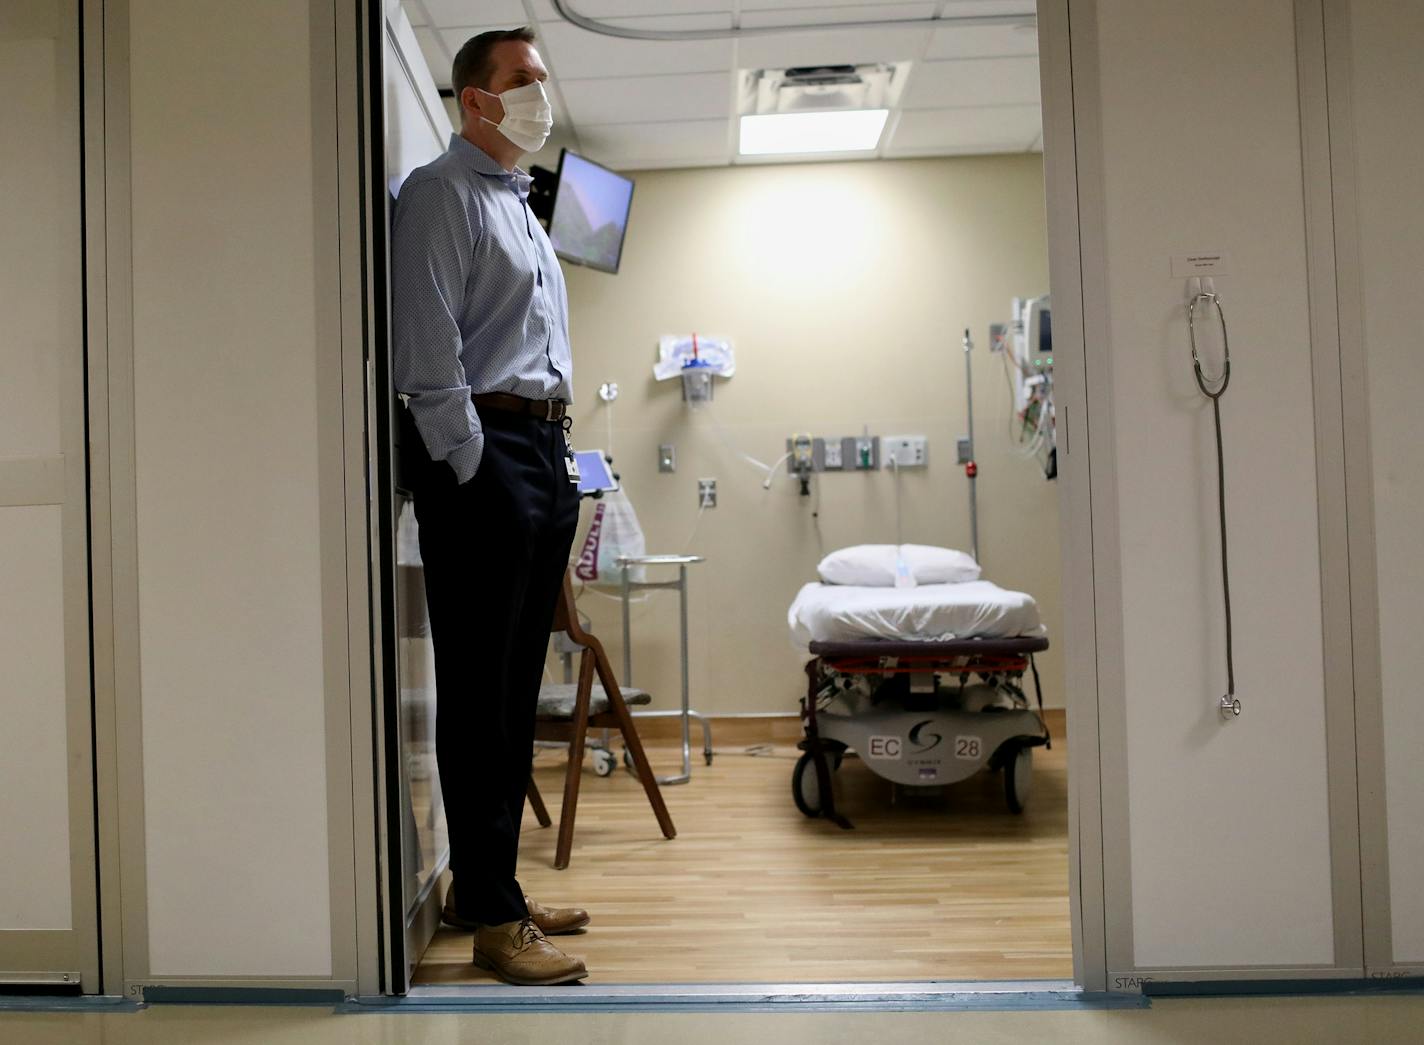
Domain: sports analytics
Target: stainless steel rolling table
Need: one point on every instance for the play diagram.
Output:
(686, 713)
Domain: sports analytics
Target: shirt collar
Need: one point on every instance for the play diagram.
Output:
(482, 163)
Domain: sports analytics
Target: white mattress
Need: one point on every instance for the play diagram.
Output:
(929, 612)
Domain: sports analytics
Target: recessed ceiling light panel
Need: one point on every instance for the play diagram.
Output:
(846, 130)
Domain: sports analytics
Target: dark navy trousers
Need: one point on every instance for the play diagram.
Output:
(495, 551)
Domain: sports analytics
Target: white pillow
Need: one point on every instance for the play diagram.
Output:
(873, 565)
(931, 565)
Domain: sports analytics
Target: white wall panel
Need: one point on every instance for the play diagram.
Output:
(230, 600)
(1228, 822)
(415, 131)
(34, 803)
(1388, 112)
(36, 262)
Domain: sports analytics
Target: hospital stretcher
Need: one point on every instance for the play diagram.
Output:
(919, 713)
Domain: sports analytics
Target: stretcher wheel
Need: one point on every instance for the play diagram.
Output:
(604, 762)
(1018, 777)
(805, 787)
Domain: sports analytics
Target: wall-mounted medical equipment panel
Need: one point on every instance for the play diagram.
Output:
(847, 453)
(906, 451)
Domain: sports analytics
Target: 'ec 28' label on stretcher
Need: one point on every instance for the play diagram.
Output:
(885, 747)
(971, 749)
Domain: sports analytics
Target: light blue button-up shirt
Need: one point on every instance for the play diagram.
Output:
(478, 302)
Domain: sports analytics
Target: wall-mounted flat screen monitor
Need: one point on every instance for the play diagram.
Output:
(590, 216)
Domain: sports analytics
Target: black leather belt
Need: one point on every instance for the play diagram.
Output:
(543, 409)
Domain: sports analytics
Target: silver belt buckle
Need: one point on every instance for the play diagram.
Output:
(551, 412)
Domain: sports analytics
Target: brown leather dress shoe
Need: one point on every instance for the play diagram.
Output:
(554, 921)
(451, 917)
(518, 953)
(551, 921)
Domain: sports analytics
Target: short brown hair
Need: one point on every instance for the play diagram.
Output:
(474, 65)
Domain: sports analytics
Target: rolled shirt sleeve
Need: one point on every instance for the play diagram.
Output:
(432, 249)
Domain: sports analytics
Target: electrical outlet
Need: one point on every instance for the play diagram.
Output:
(965, 448)
(667, 458)
(707, 493)
(832, 460)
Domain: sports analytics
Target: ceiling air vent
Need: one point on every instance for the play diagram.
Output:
(821, 88)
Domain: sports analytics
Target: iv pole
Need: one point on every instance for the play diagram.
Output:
(971, 469)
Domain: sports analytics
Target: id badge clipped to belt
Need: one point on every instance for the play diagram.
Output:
(570, 461)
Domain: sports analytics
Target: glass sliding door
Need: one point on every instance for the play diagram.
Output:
(48, 906)
(413, 130)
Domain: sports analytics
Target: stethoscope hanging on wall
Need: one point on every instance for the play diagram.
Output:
(1214, 389)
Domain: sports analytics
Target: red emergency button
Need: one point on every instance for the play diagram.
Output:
(971, 469)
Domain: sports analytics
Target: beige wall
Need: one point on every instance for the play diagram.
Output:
(846, 288)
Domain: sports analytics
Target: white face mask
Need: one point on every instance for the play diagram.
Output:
(528, 118)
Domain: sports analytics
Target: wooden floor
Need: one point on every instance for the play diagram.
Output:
(949, 886)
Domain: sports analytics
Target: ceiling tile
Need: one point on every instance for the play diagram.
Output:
(675, 23)
(414, 12)
(454, 39)
(829, 47)
(641, 99)
(982, 41)
(763, 5)
(970, 8)
(625, 8)
(858, 12)
(575, 53)
(998, 129)
(656, 143)
(446, 13)
(987, 81)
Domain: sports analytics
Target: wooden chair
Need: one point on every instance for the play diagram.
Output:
(566, 714)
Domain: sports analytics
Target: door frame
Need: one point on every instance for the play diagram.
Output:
(1380, 960)
(1066, 78)
(1061, 163)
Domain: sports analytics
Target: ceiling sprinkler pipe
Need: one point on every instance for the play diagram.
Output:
(593, 25)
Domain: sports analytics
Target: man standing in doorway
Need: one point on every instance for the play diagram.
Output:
(482, 361)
